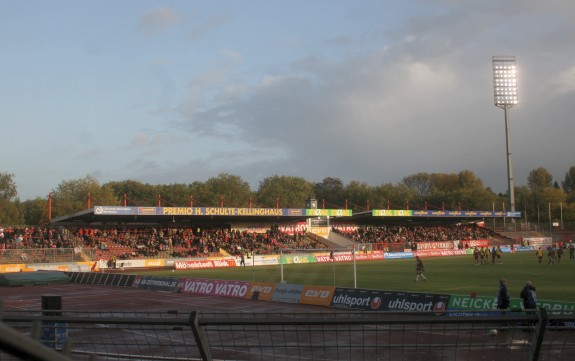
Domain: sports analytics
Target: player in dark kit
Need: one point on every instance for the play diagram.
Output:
(419, 269)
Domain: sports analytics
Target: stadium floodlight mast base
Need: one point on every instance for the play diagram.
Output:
(505, 97)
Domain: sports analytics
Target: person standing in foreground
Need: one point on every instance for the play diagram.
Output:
(503, 298)
(419, 269)
(529, 296)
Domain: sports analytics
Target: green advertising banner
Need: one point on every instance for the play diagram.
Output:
(299, 258)
(472, 302)
(329, 212)
(485, 303)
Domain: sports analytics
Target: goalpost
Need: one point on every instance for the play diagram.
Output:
(343, 264)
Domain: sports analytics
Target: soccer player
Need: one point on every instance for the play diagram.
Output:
(419, 269)
(540, 254)
(476, 256)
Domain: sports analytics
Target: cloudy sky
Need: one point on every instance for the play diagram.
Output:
(169, 92)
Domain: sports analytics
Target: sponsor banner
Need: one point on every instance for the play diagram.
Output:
(557, 308)
(395, 255)
(287, 293)
(197, 211)
(391, 213)
(415, 302)
(121, 263)
(525, 249)
(235, 289)
(372, 300)
(262, 291)
(267, 260)
(292, 227)
(435, 245)
(169, 284)
(317, 295)
(373, 255)
(538, 241)
(483, 303)
(321, 212)
(298, 258)
(201, 264)
(251, 227)
(441, 253)
(9, 268)
(474, 243)
(338, 256)
(48, 267)
(345, 227)
(369, 300)
(320, 231)
(428, 213)
(153, 263)
(318, 222)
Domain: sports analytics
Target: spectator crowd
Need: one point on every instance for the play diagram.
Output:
(132, 242)
(409, 234)
(155, 241)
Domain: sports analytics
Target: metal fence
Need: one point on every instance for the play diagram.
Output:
(46, 255)
(288, 336)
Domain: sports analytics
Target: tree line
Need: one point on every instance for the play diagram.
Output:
(449, 191)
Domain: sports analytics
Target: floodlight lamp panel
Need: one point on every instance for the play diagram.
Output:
(504, 81)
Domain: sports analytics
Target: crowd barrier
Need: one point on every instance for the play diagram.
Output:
(330, 335)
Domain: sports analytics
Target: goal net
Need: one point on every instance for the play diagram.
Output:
(327, 267)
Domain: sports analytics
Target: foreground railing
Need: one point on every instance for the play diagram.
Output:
(332, 335)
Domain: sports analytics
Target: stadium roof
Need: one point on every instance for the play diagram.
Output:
(178, 215)
(100, 215)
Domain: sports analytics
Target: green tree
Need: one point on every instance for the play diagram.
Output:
(421, 183)
(358, 195)
(35, 211)
(331, 190)
(137, 193)
(524, 203)
(291, 192)
(568, 184)
(72, 196)
(396, 195)
(539, 179)
(10, 212)
(7, 187)
(175, 195)
(234, 191)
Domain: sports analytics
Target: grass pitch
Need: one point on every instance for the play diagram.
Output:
(451, 275)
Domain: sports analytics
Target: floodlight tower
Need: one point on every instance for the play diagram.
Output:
(505, 96)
